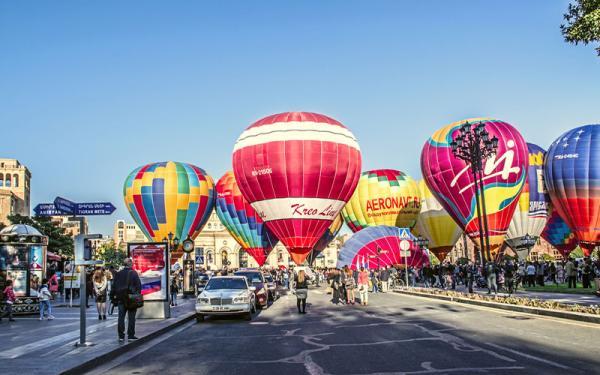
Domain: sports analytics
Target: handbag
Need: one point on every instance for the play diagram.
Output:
(133, 300)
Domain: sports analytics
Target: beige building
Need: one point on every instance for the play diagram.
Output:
(14, 189)
(124, 233)
(219, 250)
(73, 225)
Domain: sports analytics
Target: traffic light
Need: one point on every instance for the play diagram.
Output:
(84, 247)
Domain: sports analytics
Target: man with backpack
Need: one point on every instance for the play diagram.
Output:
(490, 274)
(126, 289)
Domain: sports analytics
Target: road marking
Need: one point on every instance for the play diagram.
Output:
(504, 312)
(529, 356)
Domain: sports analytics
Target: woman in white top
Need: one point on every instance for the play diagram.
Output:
(100, 291)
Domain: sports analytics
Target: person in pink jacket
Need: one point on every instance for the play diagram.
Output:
(9, 300)
(363, 286)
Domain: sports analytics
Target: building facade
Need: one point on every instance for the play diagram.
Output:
(123, 233)
(73, 225)
(15, 189)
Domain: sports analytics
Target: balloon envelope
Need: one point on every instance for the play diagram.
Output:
(436, 224)
(531, 213)
(451, 181)
(169, 197)
(559, 235)
(297, 170)
(572, 172)
(361, 250)
(242, 221)
(383, 197)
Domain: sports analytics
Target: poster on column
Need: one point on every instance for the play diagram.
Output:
(150, 262)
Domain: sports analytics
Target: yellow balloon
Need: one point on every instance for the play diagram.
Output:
(383, 197)
(436, 224)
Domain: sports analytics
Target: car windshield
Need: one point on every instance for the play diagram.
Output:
(252, 277)
(269, 278)
(225, 283)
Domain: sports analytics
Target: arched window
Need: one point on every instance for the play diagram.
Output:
(209, 257)
(1, 180)
(7, 181)
(16, 180)
(243, 259)
(224, 258)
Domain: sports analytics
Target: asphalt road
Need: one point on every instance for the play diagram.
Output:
(395, 334)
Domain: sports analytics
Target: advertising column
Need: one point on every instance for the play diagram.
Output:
(150, 261)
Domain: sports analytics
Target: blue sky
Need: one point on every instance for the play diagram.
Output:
(91, 90)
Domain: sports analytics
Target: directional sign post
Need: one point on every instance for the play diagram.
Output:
(97, 208)
(46, 209)
(405, 237)
(64, 207)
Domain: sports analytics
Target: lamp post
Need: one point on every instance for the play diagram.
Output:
(474, 146)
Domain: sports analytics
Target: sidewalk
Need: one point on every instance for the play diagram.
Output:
(47, 347)
(566, 298)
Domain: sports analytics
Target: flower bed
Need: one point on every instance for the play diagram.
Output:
(517, 301)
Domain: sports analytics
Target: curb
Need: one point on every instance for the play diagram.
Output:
(580, 317)
(102, 359)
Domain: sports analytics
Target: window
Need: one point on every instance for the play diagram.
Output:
(1, 180)
(7, 181)
(16, 180)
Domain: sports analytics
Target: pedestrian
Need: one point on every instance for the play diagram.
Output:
(45, 296)
(586, 273)
(375, 281)
(9, 300)
(174, 290)
(286, 279)
(540, 271)
(335, 286)
(471, 275)
(126, 283)
(509, 274)
(596, 273)
(571, 272)
(89, 288)
(490, 273)
(530, 275)
(343, 294)
(100, 284)
(363, 286)
(350, 284)
(53, 284)
(384, 277)
(301, 287)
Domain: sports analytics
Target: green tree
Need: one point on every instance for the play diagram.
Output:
(582, 23)
(58, 241)
(110, 254)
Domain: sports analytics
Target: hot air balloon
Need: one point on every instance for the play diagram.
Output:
(169, 197)
(297, 169)
(379, 246)
(327, 237)
(241, 220)
(531, 213)
(572, 173)
(451, 181)
(436, 224)
(558, 234)
(383, 197)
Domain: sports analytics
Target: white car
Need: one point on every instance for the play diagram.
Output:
(226, 295)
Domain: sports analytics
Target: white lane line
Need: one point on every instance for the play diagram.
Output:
(529, 356)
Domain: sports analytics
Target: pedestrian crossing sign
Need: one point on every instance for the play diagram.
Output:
(404, 234)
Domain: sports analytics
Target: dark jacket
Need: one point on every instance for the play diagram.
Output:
(301, 285)
(121, 288)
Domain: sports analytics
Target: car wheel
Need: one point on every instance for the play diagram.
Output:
(199, 318)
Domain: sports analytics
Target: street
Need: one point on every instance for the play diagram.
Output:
(395, 334)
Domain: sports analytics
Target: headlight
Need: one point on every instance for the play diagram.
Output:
(203, 300)
(241, 299)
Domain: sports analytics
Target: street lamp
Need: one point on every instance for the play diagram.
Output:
(474, 145)
(422, 243)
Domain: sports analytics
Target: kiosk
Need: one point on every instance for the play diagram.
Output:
(23, 260)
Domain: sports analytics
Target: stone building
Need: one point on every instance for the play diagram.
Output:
(123, 233)
(14, 189)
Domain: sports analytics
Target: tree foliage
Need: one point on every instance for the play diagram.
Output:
(58, 241)
(110, 254)
(582, 23)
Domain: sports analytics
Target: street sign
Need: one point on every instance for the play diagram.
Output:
(65, 206)
(95, 208)
(404, 234)
(404, 245)
(46, 209)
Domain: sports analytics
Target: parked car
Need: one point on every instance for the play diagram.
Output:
(256, 279)
(201, 281)
(271, 287)
(226, 295)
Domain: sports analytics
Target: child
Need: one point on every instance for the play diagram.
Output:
(9, 297)
(45, 295)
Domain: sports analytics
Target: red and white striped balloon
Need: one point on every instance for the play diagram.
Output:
(298, 170)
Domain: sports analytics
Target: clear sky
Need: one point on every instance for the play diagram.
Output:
(91, 90)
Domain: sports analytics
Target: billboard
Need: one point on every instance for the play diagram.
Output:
(150, 262)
